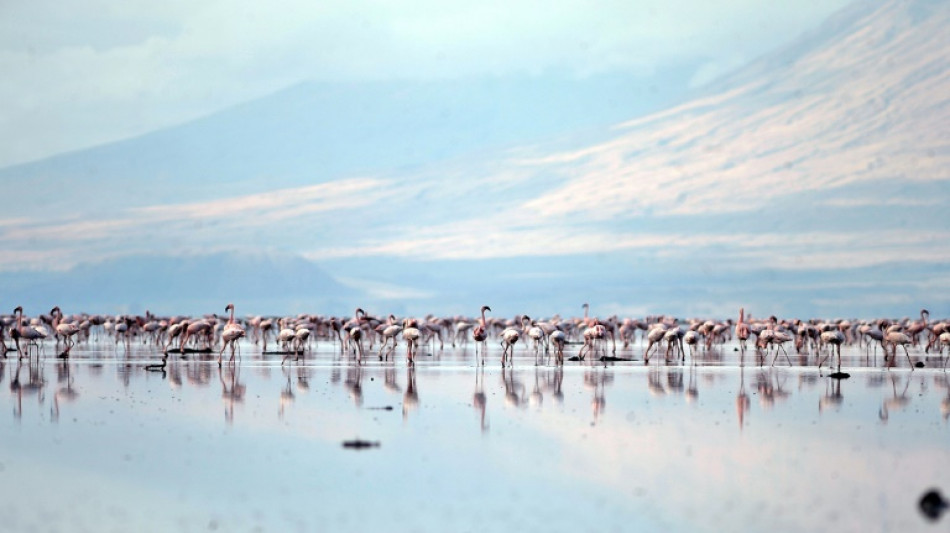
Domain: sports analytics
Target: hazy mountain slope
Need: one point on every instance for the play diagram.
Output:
(258, 283)
(315, 132)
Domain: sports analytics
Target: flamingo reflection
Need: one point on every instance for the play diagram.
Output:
(286, 395)
(692, 392)
(66, 394)
(514, 389)
(897, 401)
(479, 400)
(410, 400)
(536, 398)
(743, 403)
(354, 384)
(35, 385)
(945, 401)
(232, 390)
(832, 397)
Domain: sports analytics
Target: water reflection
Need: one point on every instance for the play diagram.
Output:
(537, 387)
(832, 398)
(232, 390)
(410, 400)
(522, 417)
(895, 402)
(66, 393)
(354, 384)
(743, 402)
(479, 400)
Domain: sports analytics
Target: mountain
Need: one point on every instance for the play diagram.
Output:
(813, 181)
(190, 284)
(316, 132)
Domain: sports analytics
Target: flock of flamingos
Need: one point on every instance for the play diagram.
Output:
(293, 336)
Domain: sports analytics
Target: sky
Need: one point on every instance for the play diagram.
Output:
(79, 74)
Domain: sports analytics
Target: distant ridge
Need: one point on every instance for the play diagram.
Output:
(194, 284)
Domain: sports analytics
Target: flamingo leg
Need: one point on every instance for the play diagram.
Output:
(908, 356)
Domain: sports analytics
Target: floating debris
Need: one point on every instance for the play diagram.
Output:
(932, 504)
(358, 444)
(839, 375)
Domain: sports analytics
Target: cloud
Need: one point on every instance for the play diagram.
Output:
(61, 243)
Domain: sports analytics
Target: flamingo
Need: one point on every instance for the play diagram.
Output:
(895, 337)
(65, 330)
(197, 327)
(537, 334)
(594, 332)
(301, 336)
(742, 329)
(231, 333)
(509, 337)
(835, 338)
(173, 332)
(558, 339)
(355, 333)
(674, 342)
(389, 332)
(773, 336)
(480, 334)
(411, 334)
(285, 335)
(654, 336)
(691, 338)
(266, 325)
(28, 332)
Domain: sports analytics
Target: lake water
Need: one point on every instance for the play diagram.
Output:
(100, 444)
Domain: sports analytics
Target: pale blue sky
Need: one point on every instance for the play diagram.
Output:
(78, 74)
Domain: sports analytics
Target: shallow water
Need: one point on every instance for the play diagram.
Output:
(100, 444)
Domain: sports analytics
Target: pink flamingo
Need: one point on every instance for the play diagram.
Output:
(67, 330)
(835, 338)
(199, 327)
(231, 333)
(480, 334)
(30, 333)
(355, 333)
(411, 333)
(389, 332)
(894, 336)
(558, 338)
(509, 337)
(742, 329)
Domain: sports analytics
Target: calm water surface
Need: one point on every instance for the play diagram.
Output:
(101, 444)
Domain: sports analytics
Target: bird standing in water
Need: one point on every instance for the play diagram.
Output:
(231, 333)
(480, 334)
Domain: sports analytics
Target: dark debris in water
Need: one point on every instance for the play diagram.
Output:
(839, 375)
(383, 408)
(359, 444)
(919, 364)
(612, 359)
(932, 504)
